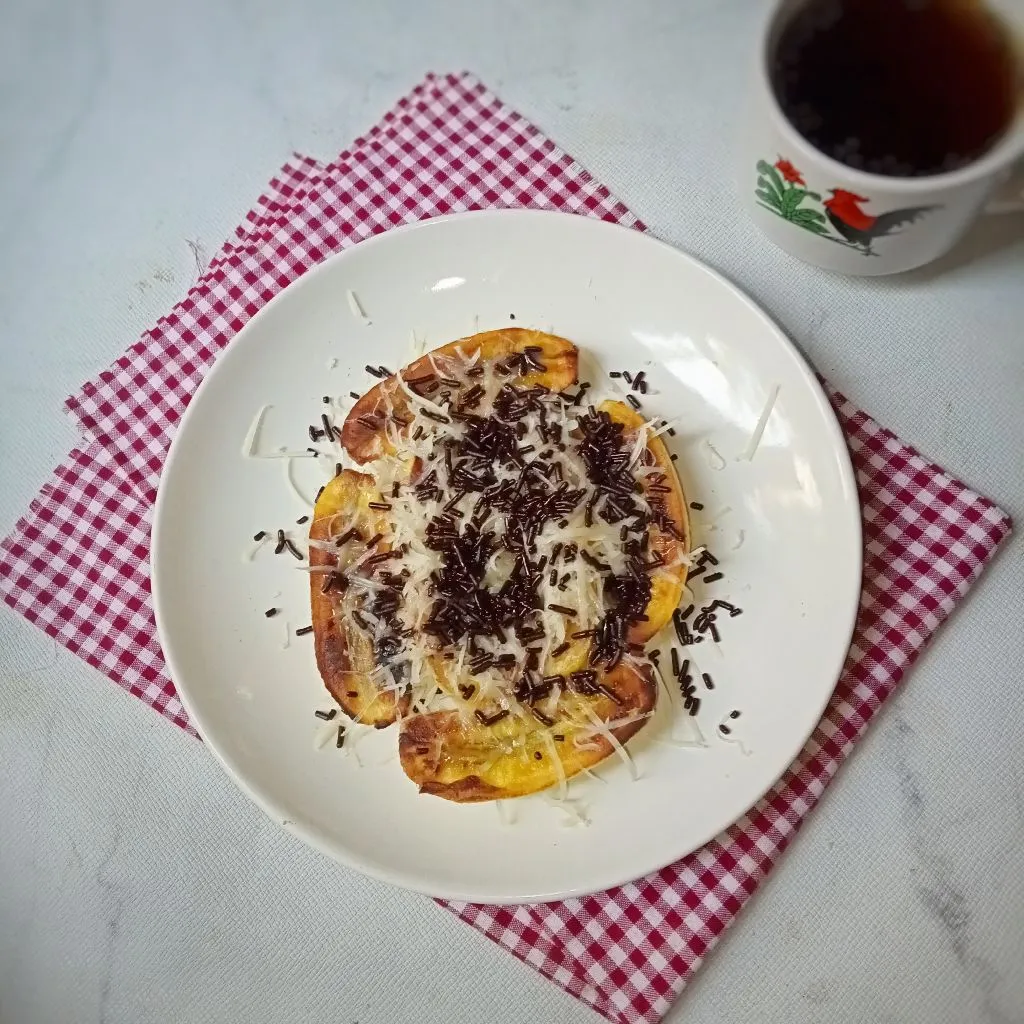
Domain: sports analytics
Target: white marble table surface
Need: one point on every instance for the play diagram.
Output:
(136, 883)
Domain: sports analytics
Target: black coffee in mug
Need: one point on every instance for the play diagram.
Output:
(898, 87)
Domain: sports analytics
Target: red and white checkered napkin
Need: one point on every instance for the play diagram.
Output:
(77, 562)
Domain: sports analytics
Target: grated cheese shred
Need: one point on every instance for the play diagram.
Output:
(762, 422)
(356, 308)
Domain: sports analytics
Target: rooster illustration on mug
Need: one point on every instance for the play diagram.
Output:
(860, 228)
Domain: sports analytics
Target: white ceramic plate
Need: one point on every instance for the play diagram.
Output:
(785, 526)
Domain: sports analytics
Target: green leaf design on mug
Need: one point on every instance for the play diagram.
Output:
(810, 225)
(808, 217)
(774, 196)
(791, 200)
(784, 195)
(765, 168)
(770, 198)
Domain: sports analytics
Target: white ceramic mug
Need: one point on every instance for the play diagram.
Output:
(850, 221)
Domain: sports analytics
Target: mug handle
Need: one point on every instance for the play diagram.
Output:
(1009, 198)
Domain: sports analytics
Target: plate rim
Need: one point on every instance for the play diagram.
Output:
(280, 814)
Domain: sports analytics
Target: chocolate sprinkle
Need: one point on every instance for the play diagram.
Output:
(326, 716)
(595, 563)
(270, 612)
(610, 694)
(485, 719)
(562, 609)
(730, 608)
(303, 630)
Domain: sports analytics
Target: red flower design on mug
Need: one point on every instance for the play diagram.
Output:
(789, 172)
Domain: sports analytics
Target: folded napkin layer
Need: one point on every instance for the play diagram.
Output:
(450, 146)
(77, 563)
